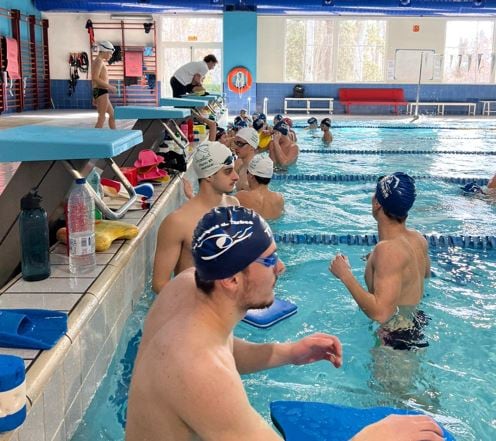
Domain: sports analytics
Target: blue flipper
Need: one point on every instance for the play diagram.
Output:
(307, 421)
(264, 318)
(31, 328)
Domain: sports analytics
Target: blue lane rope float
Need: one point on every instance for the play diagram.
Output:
(400, 127)
(373, 178)
(394, 152)
(434, 241)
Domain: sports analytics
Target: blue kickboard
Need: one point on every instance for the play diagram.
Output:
(309, 421)
(145, 112)
(48, 143)
(182, 102)
(266, 317)
(31, 328)
(208, 98)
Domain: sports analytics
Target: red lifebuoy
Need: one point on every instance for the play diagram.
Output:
(239, 80)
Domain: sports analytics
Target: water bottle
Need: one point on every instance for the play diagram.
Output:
(81, 229)
(33, 232)
(185, 129)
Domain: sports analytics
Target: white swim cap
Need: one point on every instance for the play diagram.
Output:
(210, 157)
(261, 166)
(105, 46)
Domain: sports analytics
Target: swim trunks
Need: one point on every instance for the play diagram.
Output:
(405, 338)
(98, 92)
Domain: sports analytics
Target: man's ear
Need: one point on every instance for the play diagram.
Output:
(231, 284)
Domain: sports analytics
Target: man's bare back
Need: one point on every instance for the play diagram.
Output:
(268, 204)
(409, 253)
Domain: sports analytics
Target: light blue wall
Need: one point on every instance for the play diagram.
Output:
(27, 8)
(240, 49)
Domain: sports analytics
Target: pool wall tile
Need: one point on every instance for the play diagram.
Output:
(72, 373)
(60, 435)
(34, 427)
(53, 402)
(73, 417)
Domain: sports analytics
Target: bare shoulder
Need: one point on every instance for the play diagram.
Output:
(390, 253)
(243, 196)
(231, 200)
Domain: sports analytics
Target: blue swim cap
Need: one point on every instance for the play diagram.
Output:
(278, 118)
(396, 193)
(472, 187)
(282, 127)
(263, 117)
(227, 240)
(312, 120)
(258, 124)
(240, 124)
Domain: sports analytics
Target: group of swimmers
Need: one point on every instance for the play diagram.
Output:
(186, 382)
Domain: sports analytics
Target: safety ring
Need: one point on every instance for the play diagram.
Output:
(239, 80)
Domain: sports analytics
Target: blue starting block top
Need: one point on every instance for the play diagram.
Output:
(48, 143)
(145, 112)
(204, 98)
(182, 102)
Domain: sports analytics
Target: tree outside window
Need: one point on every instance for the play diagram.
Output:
(468, 55)
(309, 50)
(361, 50)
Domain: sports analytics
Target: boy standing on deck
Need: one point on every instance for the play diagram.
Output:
(101, 86)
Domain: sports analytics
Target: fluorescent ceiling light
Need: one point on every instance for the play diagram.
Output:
(131, 17)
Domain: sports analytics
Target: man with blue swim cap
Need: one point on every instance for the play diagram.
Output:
(186, 381)
(395, 269)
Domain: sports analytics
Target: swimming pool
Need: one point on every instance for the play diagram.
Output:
(452, 379)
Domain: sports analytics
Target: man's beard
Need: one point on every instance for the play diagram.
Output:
(259, 305)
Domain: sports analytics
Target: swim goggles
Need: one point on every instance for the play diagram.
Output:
(230, 160)
(268, 261)
(240, 143)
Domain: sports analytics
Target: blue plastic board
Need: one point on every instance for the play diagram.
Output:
(264, 318)
(145, 112)
(182, 102)
(48, 143)
(308, 421)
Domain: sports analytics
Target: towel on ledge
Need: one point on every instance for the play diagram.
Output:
(12, 58)
(134, 64)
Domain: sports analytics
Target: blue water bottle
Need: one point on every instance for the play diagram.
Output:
(33, 232)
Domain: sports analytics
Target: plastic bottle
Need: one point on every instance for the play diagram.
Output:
(33, 231)
(191, 135)
(81, 229)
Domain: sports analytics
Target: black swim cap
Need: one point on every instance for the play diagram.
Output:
(312, 120)
(227, 240)
(326, 122)
(396, 193)
(282, 127)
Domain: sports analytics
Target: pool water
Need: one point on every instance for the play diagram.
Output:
(452, 379)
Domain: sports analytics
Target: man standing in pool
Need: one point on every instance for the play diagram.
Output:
(214, 165)
(186, 381)
(395, 269)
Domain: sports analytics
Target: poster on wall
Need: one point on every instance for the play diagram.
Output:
(390, 70)
(408, 62)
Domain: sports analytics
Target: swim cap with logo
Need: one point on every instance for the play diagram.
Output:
(472, 187)
(261, 166)
(396, 193)
(282, 127)
(288, 121)
(210, 157)
(250, 135)
(106, 46)
(312, 120)
(227, 240)
(278, 118)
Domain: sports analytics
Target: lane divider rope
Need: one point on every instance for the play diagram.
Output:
(401, 127)
(394, 152)
(434, 241)
(368, 178)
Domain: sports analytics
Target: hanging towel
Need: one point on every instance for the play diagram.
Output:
(12, 58)
(134, 64)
